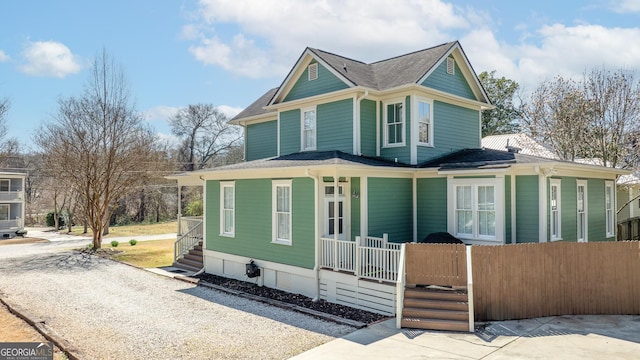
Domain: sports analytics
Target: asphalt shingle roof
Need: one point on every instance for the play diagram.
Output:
(475, 158)
(257, 107)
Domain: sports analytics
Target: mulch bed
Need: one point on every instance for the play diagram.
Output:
(324, 306)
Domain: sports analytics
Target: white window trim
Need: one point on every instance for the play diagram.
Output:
(498, 184)
(315, 71)
(8, 181)
(416, 124)
(608, 186)
(274, 206)
(586, 211)
(223, 185)
(557, 183)
(385, 129)
(8, 210)
(315, 131)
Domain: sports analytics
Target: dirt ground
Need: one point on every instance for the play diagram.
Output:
(14, 329)
(19, 240)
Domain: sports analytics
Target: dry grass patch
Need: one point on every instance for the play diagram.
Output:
(134, 230)
(14, 329)
(146, 254)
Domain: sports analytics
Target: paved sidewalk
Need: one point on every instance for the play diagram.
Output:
(556, 337)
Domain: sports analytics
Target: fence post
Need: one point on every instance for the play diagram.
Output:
(470, 289)
(356, 270)
(400, 287)
(385, 240)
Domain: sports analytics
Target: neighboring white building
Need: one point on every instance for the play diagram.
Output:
(521, 142)
(12, 207)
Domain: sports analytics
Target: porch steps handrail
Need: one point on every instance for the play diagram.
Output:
(187, 241)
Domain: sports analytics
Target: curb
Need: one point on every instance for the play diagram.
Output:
(39, 325)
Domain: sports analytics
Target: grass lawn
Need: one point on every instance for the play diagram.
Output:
(146, 254)
(134, 230)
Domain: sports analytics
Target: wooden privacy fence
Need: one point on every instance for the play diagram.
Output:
(561, 278)
(436, 264)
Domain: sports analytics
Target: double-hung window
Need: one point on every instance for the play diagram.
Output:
(394, 124)
(581, 205)
(227, 208)
(308, 129)
(424, 118)
(608, 208)
(4, 185)
(4, 211)
(555, 207)
(281, 193)
(476, 209)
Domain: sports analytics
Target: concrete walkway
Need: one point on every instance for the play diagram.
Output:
(556, 337)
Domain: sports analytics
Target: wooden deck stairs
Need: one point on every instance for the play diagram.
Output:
(191, 261)
(436, 309)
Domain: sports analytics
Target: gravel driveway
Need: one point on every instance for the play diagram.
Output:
(109, 310)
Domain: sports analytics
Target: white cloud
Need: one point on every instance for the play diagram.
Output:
(160, 113)
(625, 6)
(49, 58)
(272, 33)
(230, 111)
(4, 57)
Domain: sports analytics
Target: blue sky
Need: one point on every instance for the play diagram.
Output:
(229, 52)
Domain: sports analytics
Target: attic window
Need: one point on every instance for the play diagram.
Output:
(313, 71)
(451, 66)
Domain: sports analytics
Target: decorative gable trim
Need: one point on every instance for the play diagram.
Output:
(298, 69)
(469, 74)
(312, 74)
(451, 66)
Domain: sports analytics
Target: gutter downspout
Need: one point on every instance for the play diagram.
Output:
(357, 135)
(316, 267)
(415, 207)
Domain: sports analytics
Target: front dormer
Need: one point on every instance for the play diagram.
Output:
(408, 109)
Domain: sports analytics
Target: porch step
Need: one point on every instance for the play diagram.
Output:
(180, 265)
(435, 309)
(194, 257)
(193, 260)
(430, 324)
(193, 263)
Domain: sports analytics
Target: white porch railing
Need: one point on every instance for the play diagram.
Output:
(10, 224)
(11, 195)
(368, 257)
(185, 242)
(187, 223)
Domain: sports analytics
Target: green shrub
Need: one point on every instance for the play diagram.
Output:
(193, 208)
(50, 220)
(133, 242)
(114, 243)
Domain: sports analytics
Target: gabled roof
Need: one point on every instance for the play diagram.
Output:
(411, 68)
(257, 107)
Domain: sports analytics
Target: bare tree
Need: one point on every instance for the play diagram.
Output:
(98, 143)
(206, 134)
(559, 115)
(615, 100)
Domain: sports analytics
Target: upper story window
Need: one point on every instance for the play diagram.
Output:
(451, 66)
(394, 124)
(308, 129)
(312, 71)
(424, 117)
(4, 184)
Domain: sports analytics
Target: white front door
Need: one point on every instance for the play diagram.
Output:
(334, 219)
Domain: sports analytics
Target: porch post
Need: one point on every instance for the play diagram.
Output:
(179, 208)
(336, 218)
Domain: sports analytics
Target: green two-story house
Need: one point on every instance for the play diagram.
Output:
(344, 160)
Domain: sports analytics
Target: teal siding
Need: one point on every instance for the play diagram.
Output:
(507, 209)
(368, 127)
(355, 208)
(595, 210)
(325, 83)
(390, 207)
(401, 153)
(455, 128)
(262, 140)
(290, 132)
(527, 206)
(335, 126)
(432, 206)
(454, 84)
(254, 222)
